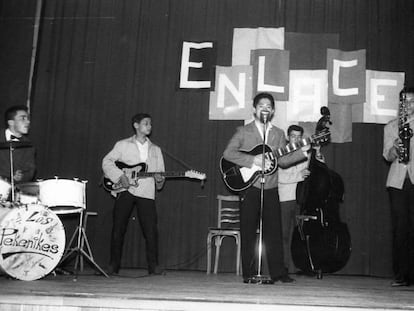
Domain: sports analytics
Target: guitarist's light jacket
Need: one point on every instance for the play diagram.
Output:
(127, 151)
(247, 137)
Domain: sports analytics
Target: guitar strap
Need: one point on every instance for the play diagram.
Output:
(175, 158)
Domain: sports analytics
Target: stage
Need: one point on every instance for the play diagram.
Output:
(132, 289)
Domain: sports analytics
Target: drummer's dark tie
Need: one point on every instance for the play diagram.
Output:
(12, 137)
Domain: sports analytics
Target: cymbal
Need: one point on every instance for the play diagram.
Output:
(15, 144)
(31, 188)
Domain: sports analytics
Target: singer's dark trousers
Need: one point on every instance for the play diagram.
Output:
(272, 232)
(147, 216)
(402, 217)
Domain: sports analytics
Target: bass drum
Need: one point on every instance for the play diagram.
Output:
(32, 241)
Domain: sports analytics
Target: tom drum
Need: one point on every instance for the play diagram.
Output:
(62, 195)
(32, 241)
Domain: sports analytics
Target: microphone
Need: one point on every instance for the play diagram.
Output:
(264, 116)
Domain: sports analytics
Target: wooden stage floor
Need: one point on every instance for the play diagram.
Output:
(189, 290)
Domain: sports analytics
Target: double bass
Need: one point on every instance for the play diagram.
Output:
(321, 242)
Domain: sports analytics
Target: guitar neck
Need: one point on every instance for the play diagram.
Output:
(165, 174)
(293, 146)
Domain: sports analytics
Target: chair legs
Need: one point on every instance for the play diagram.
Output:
(209, 241)
(238, 259)
(218, 239)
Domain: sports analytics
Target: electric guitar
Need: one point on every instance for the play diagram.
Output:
(239, 178)
(137, 171)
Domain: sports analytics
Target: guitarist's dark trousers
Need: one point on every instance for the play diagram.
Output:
(147, 216)
(272, 232)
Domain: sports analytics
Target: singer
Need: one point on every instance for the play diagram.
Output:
(245, 138)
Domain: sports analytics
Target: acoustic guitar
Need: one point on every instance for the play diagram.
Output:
(239, 178)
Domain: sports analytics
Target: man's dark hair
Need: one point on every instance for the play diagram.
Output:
(138, 118)
(295, 127)
(12, 111)
(260, 96)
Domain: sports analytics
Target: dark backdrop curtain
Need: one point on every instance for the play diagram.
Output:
(101, 61)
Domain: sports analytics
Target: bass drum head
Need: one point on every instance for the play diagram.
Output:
(32, 241)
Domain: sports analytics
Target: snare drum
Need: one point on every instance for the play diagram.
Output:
(32, 241)
(5, 188)
(28, 193)
(62, 195)
(27, 199)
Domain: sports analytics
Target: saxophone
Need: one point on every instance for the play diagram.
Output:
(404, 131)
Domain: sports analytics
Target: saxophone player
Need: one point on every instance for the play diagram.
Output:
(398, 149)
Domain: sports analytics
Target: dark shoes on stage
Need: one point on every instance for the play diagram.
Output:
(112, 271)
(400, 282)
(61, 271)
(284, 279)
(156, 271)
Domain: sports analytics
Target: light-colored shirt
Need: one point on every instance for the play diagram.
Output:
(288, 179)
(8, 135)
(260, 127)
(143, 150)
(127, 152)
(398, 171)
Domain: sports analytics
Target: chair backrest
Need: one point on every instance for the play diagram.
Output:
(228, 214)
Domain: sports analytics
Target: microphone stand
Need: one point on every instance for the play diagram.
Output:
(259, 278)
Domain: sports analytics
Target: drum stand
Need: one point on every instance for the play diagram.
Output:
(11, 170)
(77, 245)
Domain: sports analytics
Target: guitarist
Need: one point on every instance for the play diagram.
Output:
(246, 138)
(135, 149)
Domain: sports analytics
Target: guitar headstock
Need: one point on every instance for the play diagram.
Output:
(195, 175)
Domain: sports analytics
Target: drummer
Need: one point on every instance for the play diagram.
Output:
(17, 124)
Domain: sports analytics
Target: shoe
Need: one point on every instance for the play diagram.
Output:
(284, 279)
(399, 282)
(157, 271)
(258, 280)
(112, 271)
(61, 271)
(250, 280)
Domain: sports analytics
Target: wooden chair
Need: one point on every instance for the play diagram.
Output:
(228, 225)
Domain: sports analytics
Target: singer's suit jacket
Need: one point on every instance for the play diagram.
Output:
(247, 137)
(23, 159)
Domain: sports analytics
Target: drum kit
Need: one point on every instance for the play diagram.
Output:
(32, 236)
